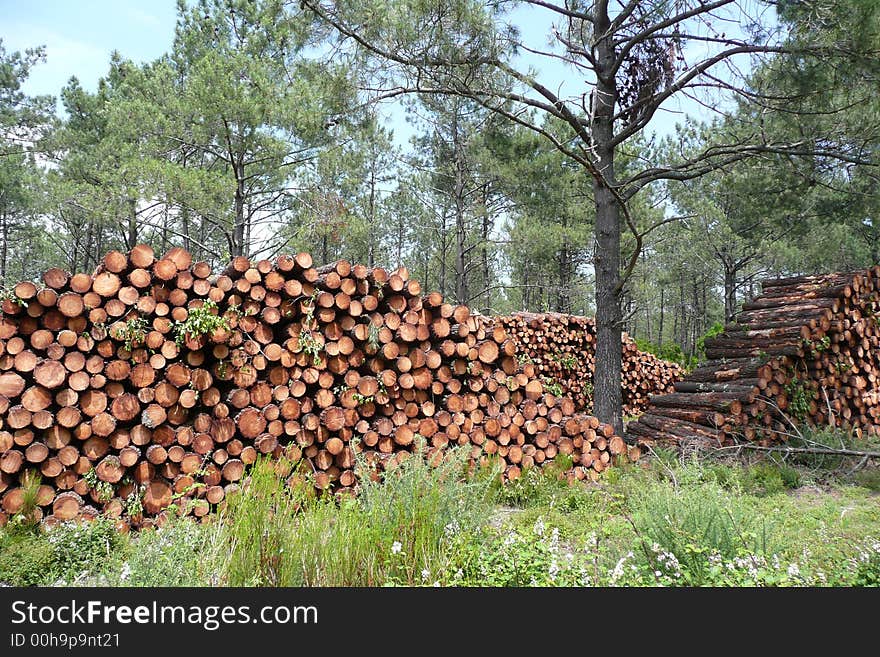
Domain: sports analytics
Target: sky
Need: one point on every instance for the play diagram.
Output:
(80, 35)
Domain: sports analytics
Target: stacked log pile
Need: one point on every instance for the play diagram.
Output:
(562, 348)
(804, 352)
(154, 380)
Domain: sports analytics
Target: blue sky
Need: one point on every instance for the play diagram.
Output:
(80, 35)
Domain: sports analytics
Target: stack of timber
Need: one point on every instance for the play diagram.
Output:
(803, 352)
(153, 379)
(563, 347)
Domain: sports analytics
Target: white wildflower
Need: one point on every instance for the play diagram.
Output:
(794, 570)
(670, 561)
(586, 580)
(554, 540)
(126, 571)
(396, 547)
(553, 571)
(617, 572)
(426, 573)
(436, 584)
(539, 527)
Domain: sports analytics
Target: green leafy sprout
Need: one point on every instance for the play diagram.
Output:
(200, 321)
(132, 333)
(310, 345)
(553, 387)
(373, 336)
(568, 361)
(798, 398)
(133, 503)
(7, 294)
(102, 488)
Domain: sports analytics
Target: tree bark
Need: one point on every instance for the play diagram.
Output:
(238, 228)
(606, 382)
(461, 283)
(662, 312)
(563, 298)
(729, 294)
(371, 221)
(4, 247)
(131, 238)
(487, 297)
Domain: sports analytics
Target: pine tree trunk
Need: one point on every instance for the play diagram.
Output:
(487, 297)
(563, 298)
(461, 285)
(608, 404)
(729, 294)
(238, 246)
(371, 222)
(184, 219)
(131, 239)
(4, 247)
(662, 313)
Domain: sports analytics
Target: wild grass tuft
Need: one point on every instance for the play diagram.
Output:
(393, 532)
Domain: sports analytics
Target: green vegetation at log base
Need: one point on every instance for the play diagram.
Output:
(674, 353)
(658, 523)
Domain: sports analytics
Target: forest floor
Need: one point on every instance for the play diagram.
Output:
(661, 522)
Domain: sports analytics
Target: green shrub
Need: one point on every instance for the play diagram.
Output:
(695, 522)
(715, 330)
(832, 438)
(512, 558)
(68, 553)
(83, 548)
(539, 485)
(181, 553)
(864, 567)
(419, 506)
(768, 478)
(868, 478)
(25, 560)
(668, 351)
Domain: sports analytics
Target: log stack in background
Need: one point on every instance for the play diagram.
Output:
(563, 347)
(120, 414)
(804, 351)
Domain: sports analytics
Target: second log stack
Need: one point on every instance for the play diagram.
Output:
(563, 348)
(806, 351)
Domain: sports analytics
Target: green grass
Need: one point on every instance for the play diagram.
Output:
(657, 523)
